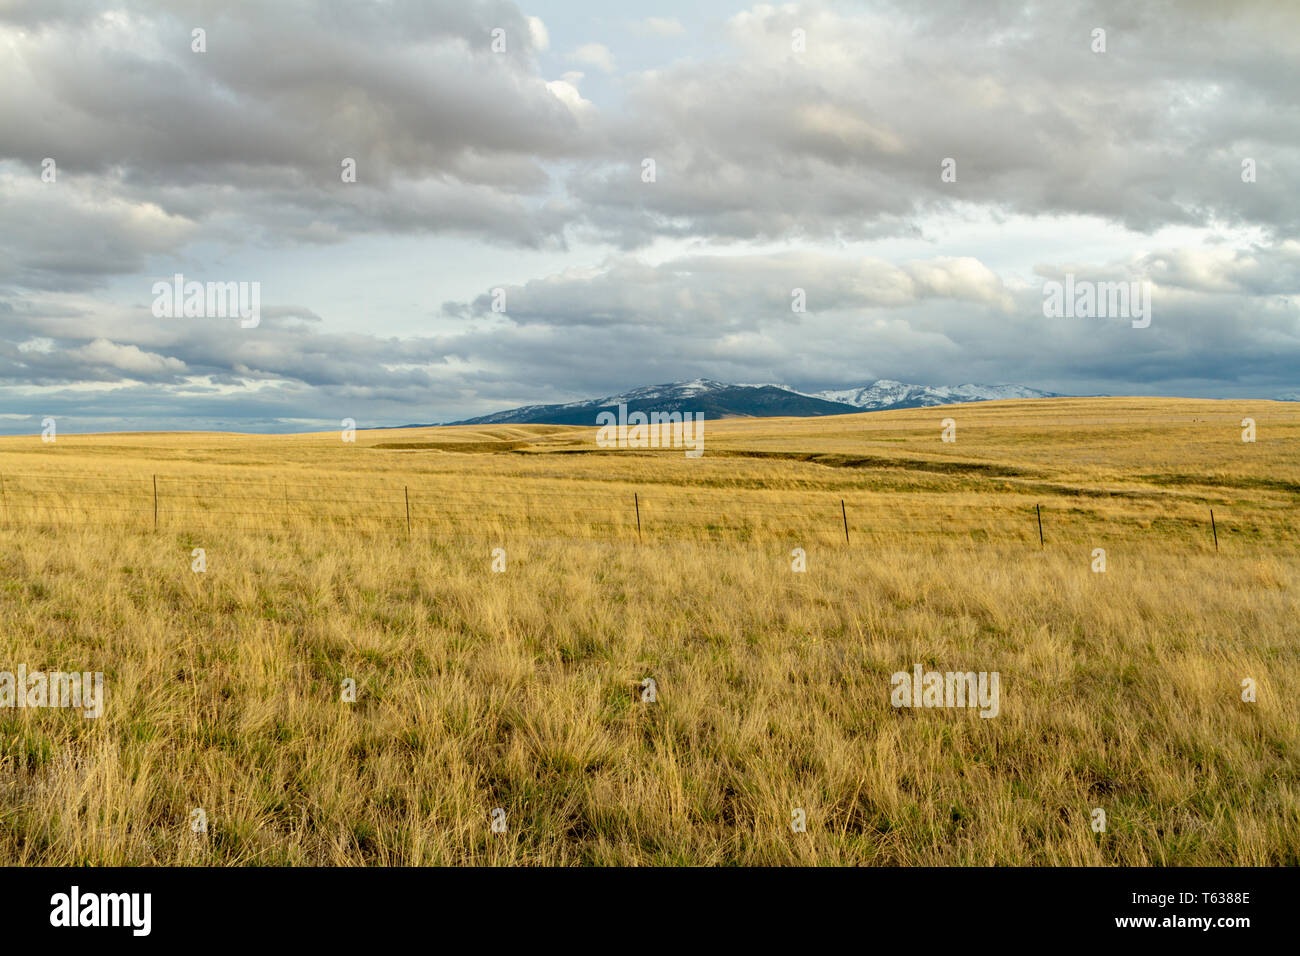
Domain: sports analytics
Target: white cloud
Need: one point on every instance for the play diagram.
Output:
(661, 26)
(566, 91)
(594, 54)
(126, 358)
(538, 34)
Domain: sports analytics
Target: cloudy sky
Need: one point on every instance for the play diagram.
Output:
(794, 146)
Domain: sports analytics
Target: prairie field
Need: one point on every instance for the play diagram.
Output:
(608, 653)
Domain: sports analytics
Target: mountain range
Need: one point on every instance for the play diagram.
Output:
(721, 400)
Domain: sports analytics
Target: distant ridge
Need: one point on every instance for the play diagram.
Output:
(720, 400)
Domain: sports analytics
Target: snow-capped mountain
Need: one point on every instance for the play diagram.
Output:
(720, 400)
(713, 399)
(885, 393)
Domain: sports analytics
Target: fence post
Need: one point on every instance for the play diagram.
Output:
(155, 502)
(845, 514)
(637, 501)
(1215, 530)
(1039, 510)
(407, 492)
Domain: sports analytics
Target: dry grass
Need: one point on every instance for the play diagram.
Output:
(521, 690)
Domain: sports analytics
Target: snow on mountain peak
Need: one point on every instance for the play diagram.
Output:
(887, 393)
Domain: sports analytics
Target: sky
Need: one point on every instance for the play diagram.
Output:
(921, 172)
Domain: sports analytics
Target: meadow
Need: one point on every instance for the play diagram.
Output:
(501, 596)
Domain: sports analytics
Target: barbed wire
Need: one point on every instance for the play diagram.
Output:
(628, 511)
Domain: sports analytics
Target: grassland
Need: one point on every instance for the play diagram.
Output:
(522, 690)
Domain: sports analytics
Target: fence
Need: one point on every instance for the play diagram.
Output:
(585, 509)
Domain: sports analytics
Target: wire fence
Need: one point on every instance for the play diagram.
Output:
(586, 509)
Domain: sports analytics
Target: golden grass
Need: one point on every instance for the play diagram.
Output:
(522, 690)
